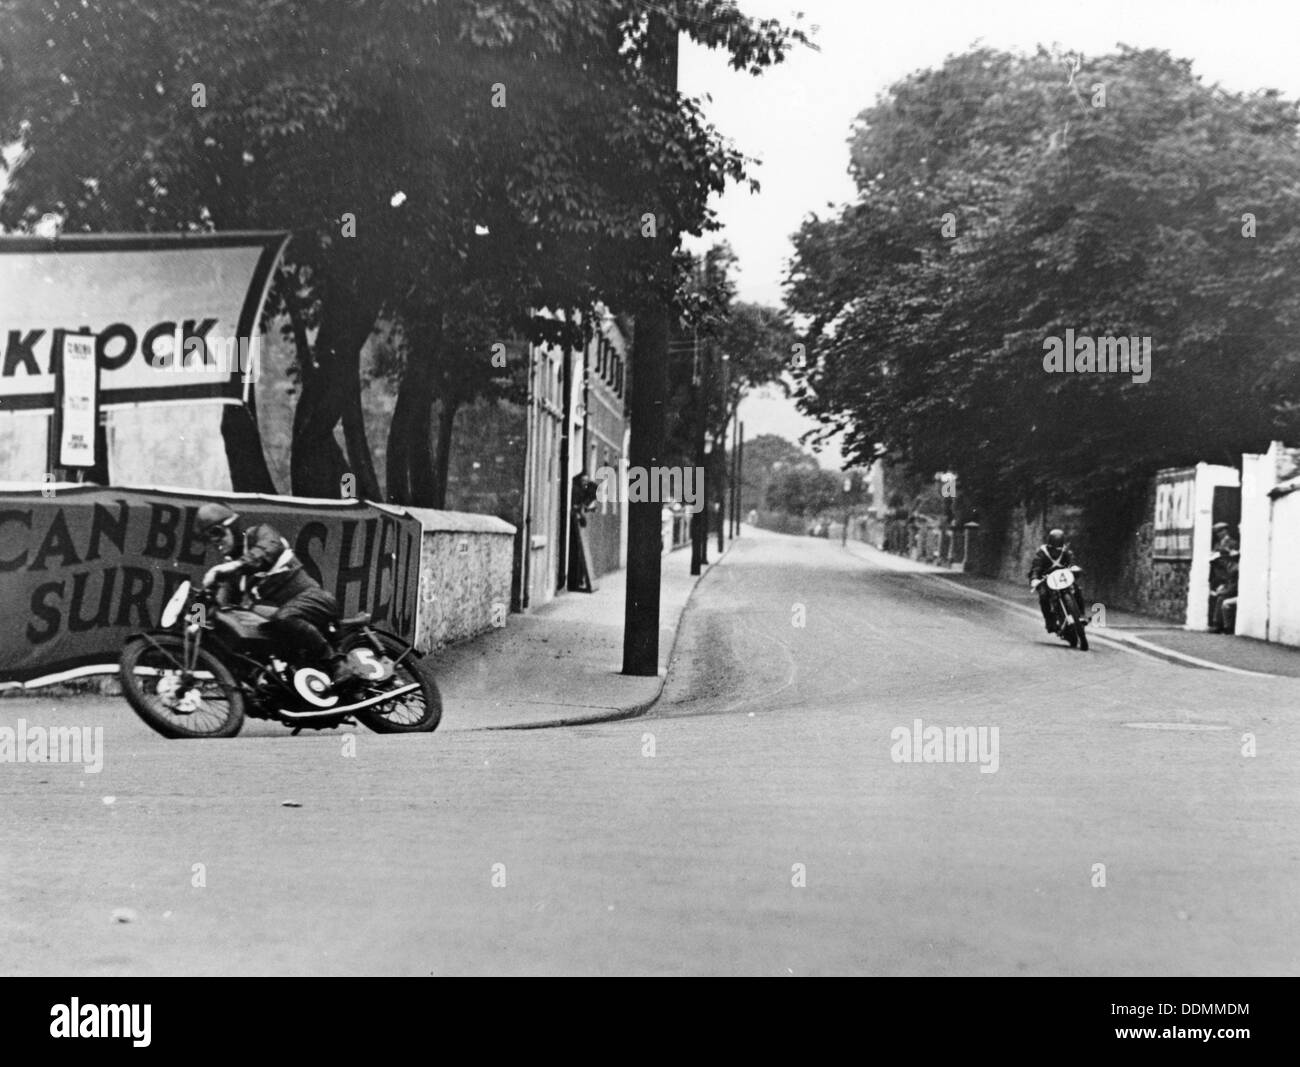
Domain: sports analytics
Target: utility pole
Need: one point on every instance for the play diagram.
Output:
(740, 475)
(733, 520)
(848, 488)
(700, 519)
(648, 399)
(720, 453)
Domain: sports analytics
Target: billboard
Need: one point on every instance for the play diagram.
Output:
(147, 299)
(80, 569)
(1175, 514)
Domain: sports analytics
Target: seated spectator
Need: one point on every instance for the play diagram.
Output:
(1218, 573)
(1223, 618)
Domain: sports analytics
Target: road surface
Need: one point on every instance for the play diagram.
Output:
(761, 820)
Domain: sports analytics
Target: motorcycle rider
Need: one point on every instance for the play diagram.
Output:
(1053, 555)
(261, 564)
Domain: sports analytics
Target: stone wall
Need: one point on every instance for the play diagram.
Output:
(465, 567)
(1137, 582)
(1118, 568)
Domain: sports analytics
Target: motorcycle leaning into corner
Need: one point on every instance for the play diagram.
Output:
(1063, 601)
(209, 665)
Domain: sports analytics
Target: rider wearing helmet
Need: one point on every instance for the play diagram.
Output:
(261, 564)
(1053, 555)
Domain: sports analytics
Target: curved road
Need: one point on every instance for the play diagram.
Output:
(761, 820)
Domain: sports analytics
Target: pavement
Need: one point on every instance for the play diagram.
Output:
(561, 664)
(1156, 637)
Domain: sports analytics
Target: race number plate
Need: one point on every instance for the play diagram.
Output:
(1060, 580)
(369, 666)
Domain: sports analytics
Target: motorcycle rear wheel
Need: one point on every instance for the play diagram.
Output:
(150, 672)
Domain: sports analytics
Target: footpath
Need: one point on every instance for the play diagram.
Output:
(561, 664)
(1154, 637)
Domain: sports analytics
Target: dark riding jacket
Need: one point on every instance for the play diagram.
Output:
(1047, 560)
(269, 571)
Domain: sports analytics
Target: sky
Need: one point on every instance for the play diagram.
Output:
(795, 118)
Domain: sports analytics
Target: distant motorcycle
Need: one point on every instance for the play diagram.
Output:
(209, 666)
(1063, 600)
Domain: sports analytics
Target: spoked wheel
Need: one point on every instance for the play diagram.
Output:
(205, 702)
(416, 712)
(1079, 628)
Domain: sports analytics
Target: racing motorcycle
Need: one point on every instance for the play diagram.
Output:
(1063, 600)
(209, 665)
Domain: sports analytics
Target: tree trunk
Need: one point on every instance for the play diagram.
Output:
(354, 434)
(410, 463)
(316, 462)
(442, 452)
(287, 283)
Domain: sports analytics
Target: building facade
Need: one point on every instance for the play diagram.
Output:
(520, 462)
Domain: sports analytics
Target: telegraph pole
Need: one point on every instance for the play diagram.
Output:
(848, 488)
(700, 519)
(720, 453)
(733, 521)
(648, 399)
(740, 475)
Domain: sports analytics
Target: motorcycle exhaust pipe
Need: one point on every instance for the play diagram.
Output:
(335, 709)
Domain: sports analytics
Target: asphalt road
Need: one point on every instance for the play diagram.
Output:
(757, 822)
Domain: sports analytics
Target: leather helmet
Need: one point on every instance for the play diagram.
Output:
(211, 516)
(1056, 538)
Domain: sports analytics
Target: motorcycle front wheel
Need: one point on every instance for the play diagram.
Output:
(419, 711)
(1079, 627)
(206, 702)
(1072, 622)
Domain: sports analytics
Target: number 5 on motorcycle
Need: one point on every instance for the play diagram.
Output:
(370, 667)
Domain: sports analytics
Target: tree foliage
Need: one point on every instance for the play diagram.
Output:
(804, 490)
(1003, 199)
(721, 349)
(493, 159)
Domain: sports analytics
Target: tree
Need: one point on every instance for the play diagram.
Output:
(1004, 199)
(757, 342)
(804, 491)
(765, 456)
(440, 166)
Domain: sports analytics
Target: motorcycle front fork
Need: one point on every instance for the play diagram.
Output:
(1067, 610)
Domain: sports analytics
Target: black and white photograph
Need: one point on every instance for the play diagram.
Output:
(647, 488)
